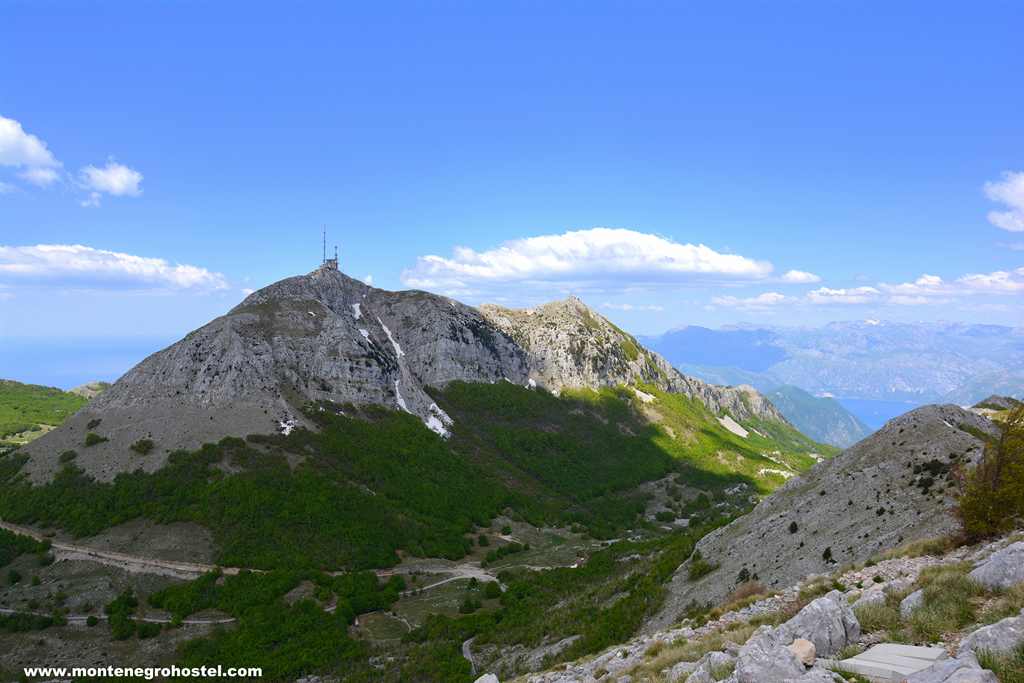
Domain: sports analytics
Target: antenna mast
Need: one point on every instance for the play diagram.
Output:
(324, 227)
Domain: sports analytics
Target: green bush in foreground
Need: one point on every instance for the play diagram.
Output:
(992, 500)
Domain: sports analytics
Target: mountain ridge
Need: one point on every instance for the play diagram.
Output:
(326, 337)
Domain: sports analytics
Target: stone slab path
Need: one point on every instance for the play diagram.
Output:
(891, 662)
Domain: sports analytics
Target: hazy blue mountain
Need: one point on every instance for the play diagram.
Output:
(862, 360)
(821, 418)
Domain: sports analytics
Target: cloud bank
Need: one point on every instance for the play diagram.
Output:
(75, 265)
(579, 256)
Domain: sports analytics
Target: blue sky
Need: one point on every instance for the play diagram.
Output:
(194, 149)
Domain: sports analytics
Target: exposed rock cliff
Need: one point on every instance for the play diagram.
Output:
(571, 346)
(892, 487)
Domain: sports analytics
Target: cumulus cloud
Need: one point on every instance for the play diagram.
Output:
(113, 179)
(1008, 191)
(632, 307)
(754, 303)
(75, 265)
(853, 295)
(25, 151)
(596, 254)
(6, 188)
(21, 149)
(800, 277)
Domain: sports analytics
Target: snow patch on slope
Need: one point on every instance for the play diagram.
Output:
(398, 349)
(733, 426)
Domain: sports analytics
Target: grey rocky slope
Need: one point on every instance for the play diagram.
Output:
(571, 346)
(890, 488)
(327, 337)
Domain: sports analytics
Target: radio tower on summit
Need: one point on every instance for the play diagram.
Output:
(329, 263)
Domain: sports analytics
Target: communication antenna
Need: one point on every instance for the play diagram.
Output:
(324, 227)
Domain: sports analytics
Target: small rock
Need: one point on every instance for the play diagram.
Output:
(911, 603)
(680, 671)
(804, 650)
(872, 596)
(1003, 568)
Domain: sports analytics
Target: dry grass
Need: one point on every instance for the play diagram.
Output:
(1007, 603)
(935, 547)
(691, 650)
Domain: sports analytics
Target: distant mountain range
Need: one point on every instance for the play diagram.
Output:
(872, 360)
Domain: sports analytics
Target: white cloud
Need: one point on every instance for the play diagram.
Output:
(75, 265)
(800, 277)
(21, 149)
(596, 254)
(92, 201)
(853, 295)
(114, 179)
(1008, 191)
(40, 176)
(760, 302)
(998, 282)
(247, 291)
(368, 280)
(632, 307)
(6, 188)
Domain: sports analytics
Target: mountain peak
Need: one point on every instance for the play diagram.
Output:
(325, 337)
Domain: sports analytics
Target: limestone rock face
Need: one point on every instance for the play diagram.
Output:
(960, 670)
(327, 337)
(570, 346)
(1003, 569)
(1002, 636)
(765, 657)
(828, 622)
(895, 486)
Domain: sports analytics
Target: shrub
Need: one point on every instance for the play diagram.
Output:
(143, 446)
(483, 541)
(700, 567)
(470, 605)
(793, 528)
(91, 621)
(506, 529)
(13, 576)
(492, 590)
(92, 438)
(992, 496)
(67, 456)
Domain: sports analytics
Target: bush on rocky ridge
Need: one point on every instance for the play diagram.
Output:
(992, 496)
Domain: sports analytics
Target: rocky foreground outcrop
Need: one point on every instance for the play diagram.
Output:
(807, 647)
(327, 337)
(892, 487)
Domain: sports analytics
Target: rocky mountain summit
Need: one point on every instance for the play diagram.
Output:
(326, 337)
(894, 486)
(571, 346)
